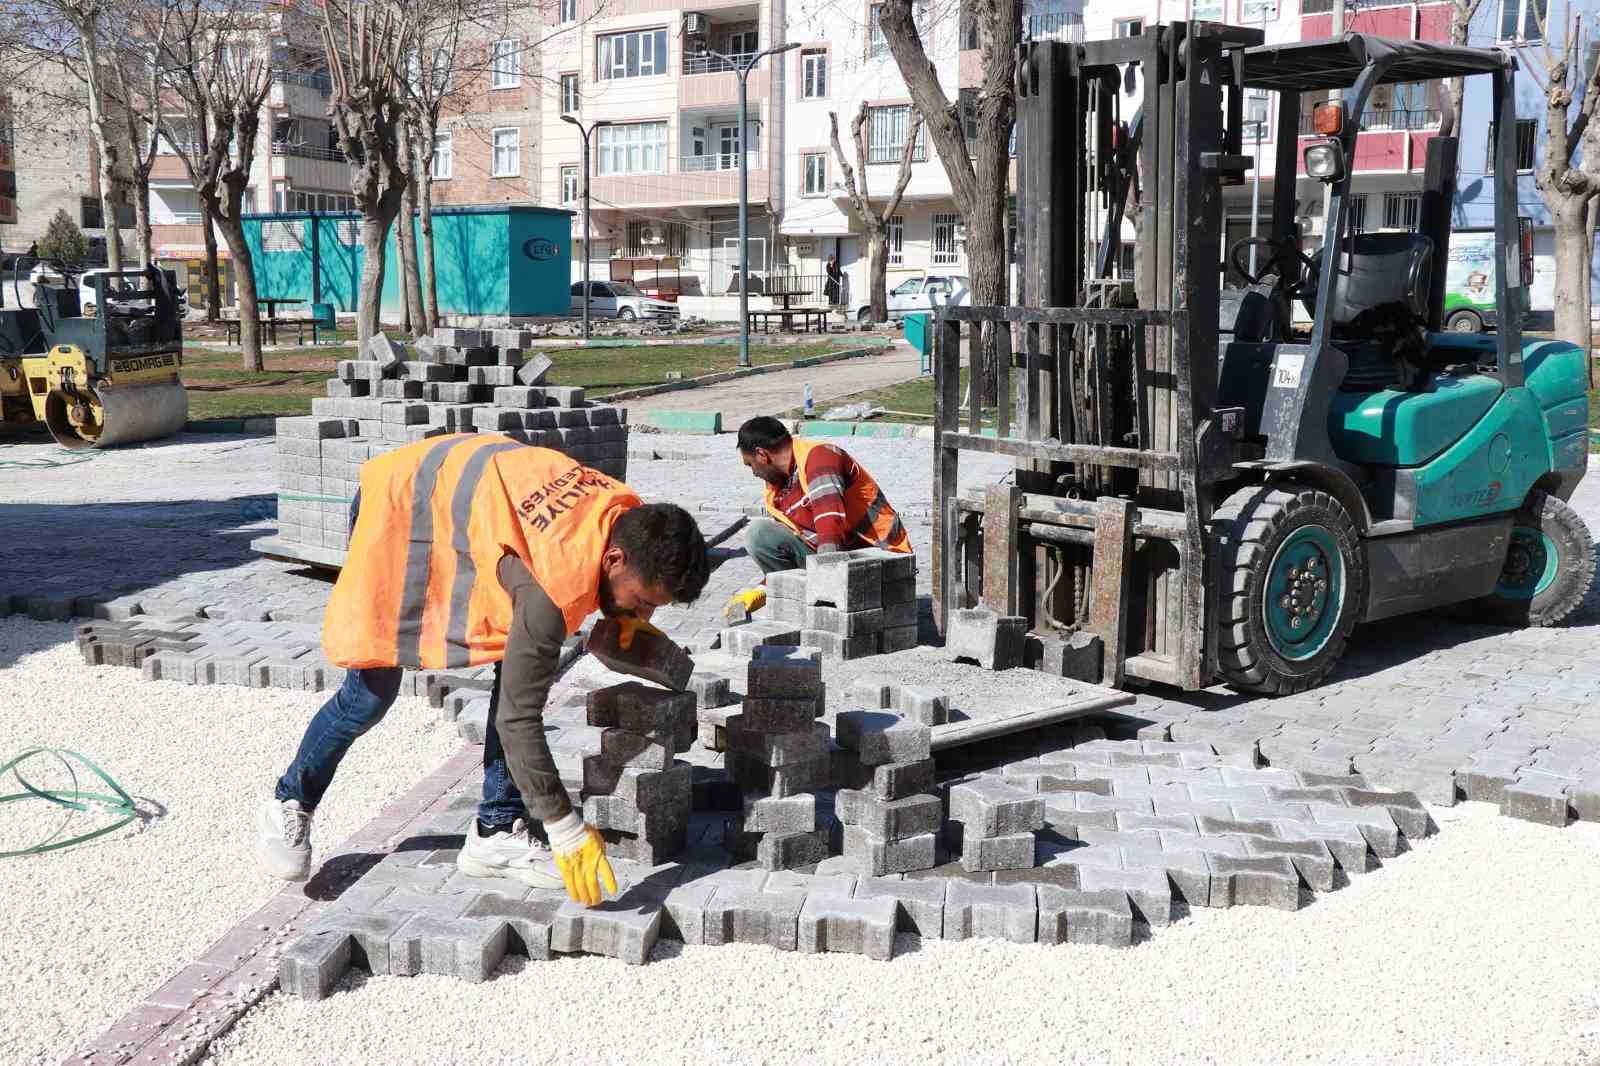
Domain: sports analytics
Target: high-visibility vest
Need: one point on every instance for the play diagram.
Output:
(419, 587)
(868, 516)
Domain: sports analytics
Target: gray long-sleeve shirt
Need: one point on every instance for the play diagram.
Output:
(533, 650)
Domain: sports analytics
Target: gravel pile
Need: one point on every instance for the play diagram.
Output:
(1478, 948)
(88, 932)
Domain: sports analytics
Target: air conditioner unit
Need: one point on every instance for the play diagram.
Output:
(696, 24)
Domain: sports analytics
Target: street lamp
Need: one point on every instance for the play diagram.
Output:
(744, 187)
(585, 131)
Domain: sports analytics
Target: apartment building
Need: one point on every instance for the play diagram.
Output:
(487, 149)
(8, 163)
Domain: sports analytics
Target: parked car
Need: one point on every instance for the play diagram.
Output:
(86, 294)
(621, 299)
(926, 293)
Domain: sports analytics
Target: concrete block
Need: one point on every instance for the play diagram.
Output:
(989, 807)
(845, 581)
(705, 423)
(1345, 843)
(786, 851)
(1149, 890)
(878, 856)
(896, 592)
(646, 752)
(1311, 858)
(754, 775)
(779, 814)
(387, 352)
(467, 948)
(843, 623)
(529, 920)
(624, 928)
(845, 649)
(1376, 826)
(919, 905)
(750, 916)
(312, 963)
(1008, 912)
(855, 926)
(1584, 799)
(897, 638)
(1261, 881)
(1014, 851)
(783, 672)
(313, 427)
(782, 715)
(710, 690)
(643, 789)
(928, 706)
(1536, 799)
(889, 819)
(1405, 808)
(873, 692)
(1078, 657)
(892, 781)
(991, 640)
(878, 737)
(456, 337)
(534, 368)
(777, 749)
(786, 585)
(1075, 916)
(789, 612)
(743, 640)
(683, 912)
(643, 709)
(651, 656)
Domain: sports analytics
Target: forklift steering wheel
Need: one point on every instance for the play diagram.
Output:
(1277, 254)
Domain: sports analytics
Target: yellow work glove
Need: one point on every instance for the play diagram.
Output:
(581, 857)
(751, 599)
(628, 625)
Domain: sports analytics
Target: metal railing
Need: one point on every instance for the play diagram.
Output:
(803, 288)
(320, 82)
(709, 64)
(890, 153)
(307, 151)
(1062, 26)
(185, 218)
(699, 164)
(1420, 119)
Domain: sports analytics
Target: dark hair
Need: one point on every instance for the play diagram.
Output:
(763, 432)
(663, 543)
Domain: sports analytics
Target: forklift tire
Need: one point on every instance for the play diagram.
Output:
(1294, 581)
(1550, 565)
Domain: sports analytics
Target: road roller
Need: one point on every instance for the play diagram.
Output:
(99, 380)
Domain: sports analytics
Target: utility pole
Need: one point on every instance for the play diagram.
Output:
(592, 126)
(743, 71)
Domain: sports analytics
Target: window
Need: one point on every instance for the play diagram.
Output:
(651, 238)
(1527, 135)
(968, 101)
(568, 10)
(1358, 214)
(569, 94)
(505, 67)
(1519, 19)
(444, 151)
(896, 234)
(1206, 10)
(887, 128)
(1257, 115)
(634, 148)
(569, 185)
(1128, 27)
(743, 43)
(816, 173)
(1400, 210)
(639, 54)
(1257, 12)
(813, 74)
(944, 239)
(878, 44)
(507, 162)
(247, 202)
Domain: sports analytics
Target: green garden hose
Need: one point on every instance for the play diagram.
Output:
(71, 800)
(47, 462)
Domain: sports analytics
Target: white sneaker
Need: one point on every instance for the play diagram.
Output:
(517, 855)
(283, 839)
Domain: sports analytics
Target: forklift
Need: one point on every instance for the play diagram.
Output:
(1205, 491)
(100, 379)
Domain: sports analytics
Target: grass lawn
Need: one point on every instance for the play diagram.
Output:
(908, 399)
(220, 388)
(1594, 419)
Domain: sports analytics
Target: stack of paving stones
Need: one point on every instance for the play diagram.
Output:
(890, 821)
(1134, 834)
(777, 753)
(992, 825)
(455, 381)
(634, 791)
(847, 604)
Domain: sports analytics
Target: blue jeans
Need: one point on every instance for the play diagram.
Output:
(361, 702)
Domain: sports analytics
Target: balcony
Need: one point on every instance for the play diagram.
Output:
(694, 180)
(306, 151)
(700, 164)
(710, 64)
(891, 153)
(300, 93)
(720, 88)
(310, 166)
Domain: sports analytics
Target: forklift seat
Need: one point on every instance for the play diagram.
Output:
(1255, 314)
(1383, 277)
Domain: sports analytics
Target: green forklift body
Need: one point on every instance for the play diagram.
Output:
(1395, 427)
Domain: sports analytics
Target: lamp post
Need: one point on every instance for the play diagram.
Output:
(744, 188)
(585, 131)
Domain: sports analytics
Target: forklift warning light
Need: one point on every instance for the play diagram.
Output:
(1327, 119)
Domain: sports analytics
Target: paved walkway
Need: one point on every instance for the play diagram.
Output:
(785, 389)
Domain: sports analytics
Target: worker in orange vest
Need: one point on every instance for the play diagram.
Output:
(820, 499)
(472, 549)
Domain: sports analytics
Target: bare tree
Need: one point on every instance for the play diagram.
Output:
(416, 319)
(875, 223)
(220, 67)
(1462, 12)
(133, 79)
(979, 181)
(366, 52)
(1568, 187)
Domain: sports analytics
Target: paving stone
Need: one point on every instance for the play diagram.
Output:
(1013, 851)
(1535, 799)
(640, 788)
(1584, 798)
(779, 814)
(312, 963)
(844, 580)
(890, 819)
(650, 656)
(1346, 843)
(786, 851)
(624, 928)
(1405, 808)
(745, 639)
(1073, 916)
(683, 912)
(650, 752)
(766, 715)
(1007, 912)
(710, 690)
(863, 926)
(640, 708)
(1311, 858)
(928, 706)
(1262, 881)
(991, 808)
(529, 920)
(1149, 890)
(919, 904)
(993, 641)
(784, 672)
(878, 856)
(744, 916)
(892, 781)
(873, 692)
(1382, 835)
(468, 948)
(1188, 871)
(879, 737)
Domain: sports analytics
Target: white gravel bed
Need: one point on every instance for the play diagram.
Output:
(1477, 947)
(87, 932)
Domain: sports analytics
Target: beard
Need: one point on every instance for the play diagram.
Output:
(608, 603)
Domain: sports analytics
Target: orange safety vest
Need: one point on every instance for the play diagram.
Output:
(868, 515)
(419, 587)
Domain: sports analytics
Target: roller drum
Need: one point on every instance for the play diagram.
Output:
(119, 415)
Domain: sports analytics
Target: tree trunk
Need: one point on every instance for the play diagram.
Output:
(878, 273)
(1572, 274)
(430, 274)
(369, 298)
(986, 265)
(105, 147)
(141, 220)
(213, 273)
(244, 278)
(411, 281)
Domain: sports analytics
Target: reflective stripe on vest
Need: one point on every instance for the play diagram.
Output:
(419, 587)
(868, 515)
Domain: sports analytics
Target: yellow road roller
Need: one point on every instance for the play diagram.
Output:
(98, 380)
